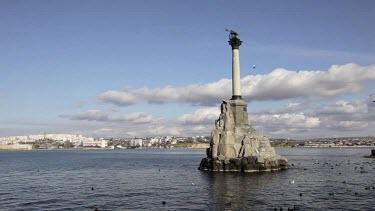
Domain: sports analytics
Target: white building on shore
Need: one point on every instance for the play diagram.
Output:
(137, 142)
(76, 139)
(95, 143)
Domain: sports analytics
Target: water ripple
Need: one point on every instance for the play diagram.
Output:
(324, 179)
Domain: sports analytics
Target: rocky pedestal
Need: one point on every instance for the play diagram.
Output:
(236, 146)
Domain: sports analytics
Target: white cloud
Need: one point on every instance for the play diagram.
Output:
(286, 124)
(96, 115)
(196, 94)
(298, 119)
(284, 84)
(166, 129)
(90, 115)
(201, 116)
(291, 107)
(344, 107)
(138, 117)
(348, 116)
(124, 97)
(277, 85)
(347, 125)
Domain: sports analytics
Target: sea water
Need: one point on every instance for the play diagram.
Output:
(318, 179)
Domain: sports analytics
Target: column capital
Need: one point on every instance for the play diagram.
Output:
(235, 42)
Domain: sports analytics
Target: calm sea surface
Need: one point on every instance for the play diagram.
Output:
(327, 178)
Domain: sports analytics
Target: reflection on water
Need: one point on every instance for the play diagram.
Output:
(236, 191)
(324, 179)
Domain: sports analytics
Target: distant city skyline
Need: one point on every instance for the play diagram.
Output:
(158, 68)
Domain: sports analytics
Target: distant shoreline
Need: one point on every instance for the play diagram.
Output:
(147, 148)
(328, 147)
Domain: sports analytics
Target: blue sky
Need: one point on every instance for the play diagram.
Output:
(58, 58)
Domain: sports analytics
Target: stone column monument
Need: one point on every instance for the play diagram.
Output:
(235, 145)
(236, 78)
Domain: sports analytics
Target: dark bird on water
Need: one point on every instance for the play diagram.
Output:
(300, 194)
(163, 202)
(92, 188)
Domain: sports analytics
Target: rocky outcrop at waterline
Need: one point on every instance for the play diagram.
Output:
(236, 146)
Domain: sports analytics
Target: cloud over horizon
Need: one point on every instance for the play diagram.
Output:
(280, 84)
(314, 108)
(297, 119)
(101, 116)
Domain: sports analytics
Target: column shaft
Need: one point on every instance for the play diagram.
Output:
(236, 77)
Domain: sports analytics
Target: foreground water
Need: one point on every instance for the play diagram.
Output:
(327, 178)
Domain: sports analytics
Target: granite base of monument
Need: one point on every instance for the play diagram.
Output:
(244, 164)
(236, 146)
